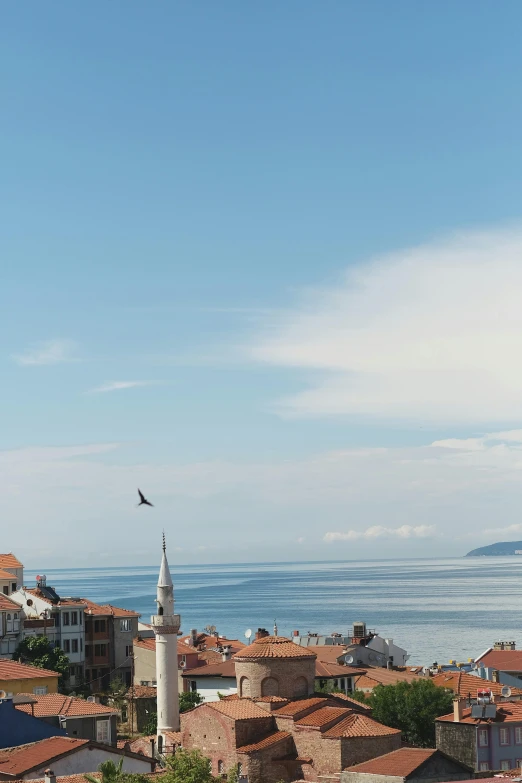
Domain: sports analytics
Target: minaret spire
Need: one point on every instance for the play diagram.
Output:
(166, 626)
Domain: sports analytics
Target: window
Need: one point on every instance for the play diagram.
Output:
(144, 682)
(128, 650)
(66, 645)
(518, 735)
(124, 714)
(483, 766)
(103, 731)
(65, 618)
(125, 625)
(504, 735)
(221, 768)
(41, 690)
(518, 763)
(94, 674)
(100, 650)
(240, 770)
(483, 738)
(9, 623)
(74, 618)
(13, 586)
(87, 650)
(505, 764)
(74, 646)
(99, 626)
(6, 590)
(193, 686)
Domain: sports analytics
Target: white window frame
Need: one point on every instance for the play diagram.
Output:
(505, 765)
(103, 731)
(503, 736)
(125, 625)
(483, 766)
(40, 690)
(518, 735)
(483, 738)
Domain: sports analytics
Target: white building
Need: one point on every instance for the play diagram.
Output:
(45, 613)
(10, 614)
(360, 648)
(166, 626)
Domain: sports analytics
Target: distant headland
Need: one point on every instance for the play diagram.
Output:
(502, 548)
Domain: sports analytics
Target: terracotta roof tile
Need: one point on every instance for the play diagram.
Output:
(323, 716)
(507, 712)
(240, 709)
(273, 647)
(12, 670)
(6, 575)
(146, 644)
(57, 704)
(464, 683)
(271, 699)
(331, 669)
(142, 692)
(399, 763)
(24, 758)
(503, 660)
(357, 725)
(223, 669)
(266, 742)
(7, 604)
(352, 703)
(62, 602)
(379, 676)
(301, 705)
(9, 561)
(206, 641)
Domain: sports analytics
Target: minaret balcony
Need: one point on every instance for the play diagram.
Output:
(165, 620)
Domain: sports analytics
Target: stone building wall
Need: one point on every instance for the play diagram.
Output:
(261, 767)
(457, 740)
(286, 677)
(355, 750)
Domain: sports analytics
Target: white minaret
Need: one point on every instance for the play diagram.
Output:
(166, 626)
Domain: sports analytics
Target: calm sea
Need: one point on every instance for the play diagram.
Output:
(436, 609)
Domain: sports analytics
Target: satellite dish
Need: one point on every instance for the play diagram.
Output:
(349, 659)
(506, 691)
(248, 633)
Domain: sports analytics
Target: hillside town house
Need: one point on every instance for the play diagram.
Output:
(80, 718)
(407, 765)
(18, 677)
(109, 634)
(11, 573)
(10, 625)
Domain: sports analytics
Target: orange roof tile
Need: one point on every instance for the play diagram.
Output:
(379, 676)
(142, 692)
(273, 647)
(6, 575)
(323, 716)
(240, 709)
(107, 610)
(266, 742)
(7, 604)
(301, 705)
(56, 704)
(12, 670)
(271, 699)
(207, 641)
(24, 758)
(399, 763)
(331, 669)
(503, 660)
(222, 669)
(352, 703)
(9, 561)
(146, 644)
(357, 725)
(62, 602)
(464, 684)
(507, 712)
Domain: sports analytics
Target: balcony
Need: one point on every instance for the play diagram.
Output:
(37, 623)
(164, 620)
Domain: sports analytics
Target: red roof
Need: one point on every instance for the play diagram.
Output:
(502, 660)
(56, 704)
(463, 684)
(12, 670)
(301, 705)
(273, 647)
(8, 605)
(207, 641)
(266, 742)
(352, 703)
(24, 758)
(148, 643)
(379, 676)
(9, 561)
(223, 669)
(357, 725)
(240, 709)
(142, 692)
(107, 610)
(323, 716)
(331, 669)
(6, 575)
(62, 602)
(507, 712)
(399, 763)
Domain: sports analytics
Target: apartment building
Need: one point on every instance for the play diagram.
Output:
(109, 632)
(11, 573)
(10, 614)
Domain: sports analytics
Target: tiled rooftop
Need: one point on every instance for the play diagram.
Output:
(301, 705)
(12, 670)
(464, 684)
(399, 763)
(273, 647)
(149, 643)
(352, 703)
(380, 676)
(142, 692)
(6, 575)
(62, 602)
(240, 709)
(9, 561)
(222, 669)
(332, 669)
(57, 704)
(357, 725)
(503, 660)
(507, 712)
(7, 605)
(323, 716)
(266, 742)
(23, 758)
(207, 641)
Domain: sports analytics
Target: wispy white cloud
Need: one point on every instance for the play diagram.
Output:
(378, 531)
(112, 386)
(502, 531)
(431, 333)
(48, 352)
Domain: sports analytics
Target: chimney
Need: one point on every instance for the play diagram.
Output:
(457, 709)
(49, 776)
(494, 676)
(193, 637)
(261, 632)
(227, 652)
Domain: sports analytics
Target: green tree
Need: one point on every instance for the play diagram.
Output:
(113, 773)
(187, 701)
(188, 766)
(233, 774)
(359, 696)
(37, 651)
(151, 726)
(412, 708)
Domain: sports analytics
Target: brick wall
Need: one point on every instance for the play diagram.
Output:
(261, 767)
(355, 750)
(257, 676)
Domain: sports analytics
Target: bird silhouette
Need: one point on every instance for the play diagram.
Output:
(143, 500)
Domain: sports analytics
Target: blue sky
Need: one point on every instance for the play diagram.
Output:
(259, 258)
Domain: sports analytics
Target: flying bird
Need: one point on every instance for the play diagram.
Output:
(143, 500)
